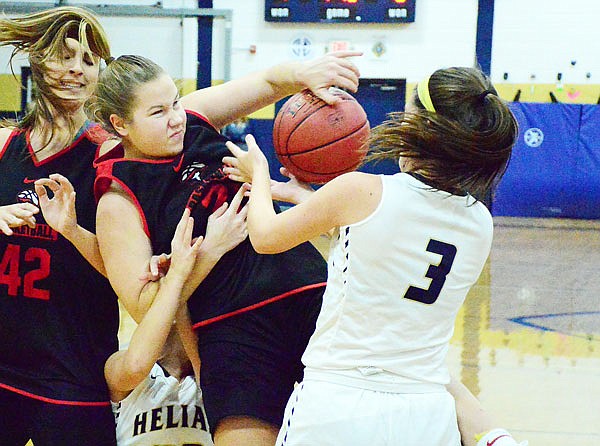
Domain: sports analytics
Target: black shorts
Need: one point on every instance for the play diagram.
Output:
(251, 361)
(47, 424)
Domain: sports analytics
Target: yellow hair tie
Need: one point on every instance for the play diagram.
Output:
(423, 94)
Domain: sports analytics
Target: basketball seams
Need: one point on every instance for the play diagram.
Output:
(327, 142)
(326, 175)
(308, 114)
(334, 141)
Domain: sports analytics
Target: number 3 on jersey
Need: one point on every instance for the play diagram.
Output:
(437, 273)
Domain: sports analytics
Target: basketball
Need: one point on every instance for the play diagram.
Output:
(317, 142)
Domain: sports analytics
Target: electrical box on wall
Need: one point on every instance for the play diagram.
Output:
(340, 11)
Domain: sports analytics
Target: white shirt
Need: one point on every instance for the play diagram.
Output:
(371, 326)
(162, 410)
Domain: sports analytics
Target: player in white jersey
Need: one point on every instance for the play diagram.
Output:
(154, 394)
(162, 409)
(406, 250)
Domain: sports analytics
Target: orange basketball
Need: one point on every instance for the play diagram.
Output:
(317, 142)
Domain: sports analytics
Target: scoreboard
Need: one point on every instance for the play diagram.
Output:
(340, 11)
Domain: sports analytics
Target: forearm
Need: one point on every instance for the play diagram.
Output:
(472, 418)
(241, 97)
(207, 259)
(260, 208)
(87, 244)
(148, 339)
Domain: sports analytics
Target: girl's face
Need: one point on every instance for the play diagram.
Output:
(72, 77)
(157, 123)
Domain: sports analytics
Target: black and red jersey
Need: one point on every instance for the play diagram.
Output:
(242, 279)
(59, 316)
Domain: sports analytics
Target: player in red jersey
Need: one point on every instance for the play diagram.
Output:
(59, 314)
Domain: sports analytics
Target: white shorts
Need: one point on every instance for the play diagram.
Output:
(322, 413)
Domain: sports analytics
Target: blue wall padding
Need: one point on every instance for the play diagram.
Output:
(542, 180)
(586, 171)
(559, 178)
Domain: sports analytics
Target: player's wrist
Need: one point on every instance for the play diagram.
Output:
(72, 232)
(286, 78)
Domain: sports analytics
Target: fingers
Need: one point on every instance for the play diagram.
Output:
(219, 212)
(237, 199)
(40, 190)
(30, 221)
(189, 229)
(327, 97)
(5, 229)
(28, 208)
(286, 173)
(158, 265)
(154, 266)
(25, 210)
(251, 141)
(235, 150)
(55, 182)
(247, 188)
(182, 225)
(235, 177)
(243, 212)
(342, 60)
(230, 161)
(197, 243)
(63, 182)
(345, 53)
(154, 261)
(163, 260)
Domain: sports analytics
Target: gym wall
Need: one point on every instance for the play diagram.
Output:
(542, 51)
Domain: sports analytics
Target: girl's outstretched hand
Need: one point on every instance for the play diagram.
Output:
(226, 226)
(241, 166)
(59, 211)
(15, 215)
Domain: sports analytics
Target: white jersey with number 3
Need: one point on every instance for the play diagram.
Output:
(162, 411)
(396, 282)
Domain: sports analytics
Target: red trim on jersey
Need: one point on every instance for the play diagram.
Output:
(70, 147)
(52, 400)
(8, 140)
(258, 305)
(103, 182)
(204, 118)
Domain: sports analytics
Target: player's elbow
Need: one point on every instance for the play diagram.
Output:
(264, 245)
(137, 368)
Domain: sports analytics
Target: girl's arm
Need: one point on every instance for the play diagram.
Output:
(235, 99)
(344, 200)
(125, 369)
(127, 251)
(59, 212)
